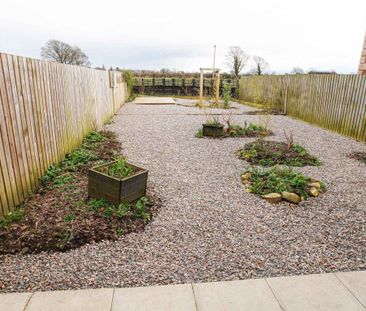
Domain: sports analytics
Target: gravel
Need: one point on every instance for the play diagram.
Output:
(209, 228)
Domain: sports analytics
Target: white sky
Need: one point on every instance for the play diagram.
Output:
(180, 34)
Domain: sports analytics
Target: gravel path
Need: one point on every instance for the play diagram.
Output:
(208, 228)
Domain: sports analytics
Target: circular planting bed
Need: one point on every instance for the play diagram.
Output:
(281, 183)
(269, 153)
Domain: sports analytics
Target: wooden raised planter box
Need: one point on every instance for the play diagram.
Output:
(115, 190)
(212, 130)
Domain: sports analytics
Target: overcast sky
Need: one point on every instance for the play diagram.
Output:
(180, 34)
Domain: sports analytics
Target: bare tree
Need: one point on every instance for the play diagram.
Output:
(260, 65)
(64, 53)
(236, 59)
(297, 70)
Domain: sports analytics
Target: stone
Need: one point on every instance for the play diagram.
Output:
(316, 185)
(291, 197)
(314, 192)
(272, 197)
(245, 176)
(312, 180)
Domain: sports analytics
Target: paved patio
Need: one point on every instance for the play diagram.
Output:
(345, 291)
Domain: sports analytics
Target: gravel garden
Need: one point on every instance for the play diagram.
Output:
(205, 217)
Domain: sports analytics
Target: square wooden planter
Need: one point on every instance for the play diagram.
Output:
(212, 130)
(115, 190)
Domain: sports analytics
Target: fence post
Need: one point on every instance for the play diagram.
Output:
(285, 103)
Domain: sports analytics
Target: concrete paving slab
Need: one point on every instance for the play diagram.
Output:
(253, 295)
(155, 298)
(320, 292)
(151, 100)
(72, 300)
(14, 302)
(355, 281)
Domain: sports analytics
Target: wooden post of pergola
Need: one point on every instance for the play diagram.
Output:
(216, 74)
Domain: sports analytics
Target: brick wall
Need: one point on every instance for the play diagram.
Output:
(362, 67)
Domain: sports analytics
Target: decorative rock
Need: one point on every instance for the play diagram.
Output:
(312, 180)
(291, 197)
(272, 197)
(316, 185)
(245, 176)
(314, 192)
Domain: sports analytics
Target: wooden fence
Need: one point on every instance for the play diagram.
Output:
(179, 86)
(335, 102)
(46, 109)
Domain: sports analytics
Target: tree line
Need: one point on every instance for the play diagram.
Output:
(238, 62)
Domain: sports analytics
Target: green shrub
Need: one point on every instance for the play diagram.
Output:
(128, 77)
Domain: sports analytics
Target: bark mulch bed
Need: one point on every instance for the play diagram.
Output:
(269, 153)
(360, 156)
(60, 216)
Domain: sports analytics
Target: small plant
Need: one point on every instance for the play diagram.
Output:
(270, 153)
(14, 216)
(62, 179)
(289, 139)
(91, 139)
(97, 204)
(199, 133)
(52, 172)
(78, 158)
(213, 120)
(69, 218)
(136, 209)
(120, 169)
(140, 209)
(251, 130)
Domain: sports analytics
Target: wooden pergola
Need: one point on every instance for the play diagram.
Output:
(216, 74)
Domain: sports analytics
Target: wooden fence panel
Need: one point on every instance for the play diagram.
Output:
(335, 102)
(46, 109)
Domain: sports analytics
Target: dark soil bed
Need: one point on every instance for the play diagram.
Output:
(360, 156)
(60, 216)
(269, 153)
